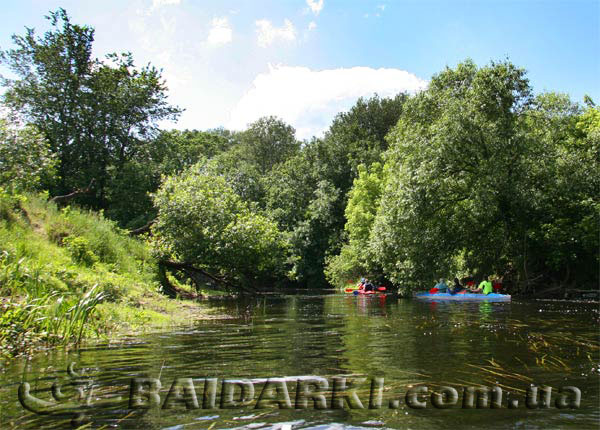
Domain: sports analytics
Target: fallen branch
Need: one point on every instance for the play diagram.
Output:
(171, 290)
(70, 196)
(189, 267)
(143, 229)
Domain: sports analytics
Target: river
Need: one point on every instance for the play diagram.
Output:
(410, 344)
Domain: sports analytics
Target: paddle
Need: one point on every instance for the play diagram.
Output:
(381, 288)
(349, 290)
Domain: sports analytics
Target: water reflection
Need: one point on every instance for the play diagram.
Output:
(408, 343)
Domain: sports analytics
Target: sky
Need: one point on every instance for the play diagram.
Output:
(227, 63)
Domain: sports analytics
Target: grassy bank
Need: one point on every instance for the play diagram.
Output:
(69, 274)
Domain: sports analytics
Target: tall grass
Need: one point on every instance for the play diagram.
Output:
(52, 318)
(57, 266)
(16, 277)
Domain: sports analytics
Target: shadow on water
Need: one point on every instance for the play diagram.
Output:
(407, 343)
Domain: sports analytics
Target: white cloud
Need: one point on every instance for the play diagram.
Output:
(315, 5)
(220, 32)
(310, 99)
(267, 33)
(312, 25)
(381, 7)
(159, 3)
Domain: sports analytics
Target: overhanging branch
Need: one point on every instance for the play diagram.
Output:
(65, 198)
(191, 268)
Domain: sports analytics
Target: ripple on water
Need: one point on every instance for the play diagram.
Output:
(406, 342)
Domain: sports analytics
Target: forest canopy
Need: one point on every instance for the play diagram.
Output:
(475, 175)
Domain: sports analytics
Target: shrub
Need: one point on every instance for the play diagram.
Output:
(79, 248)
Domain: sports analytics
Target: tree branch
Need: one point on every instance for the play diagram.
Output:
(143, 229)
(65, 198)
(189, 267)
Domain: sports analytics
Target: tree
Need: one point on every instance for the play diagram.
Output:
(245, 177)
(456, 185)
(563, 243)
(25, 158)
(362, 130)
(176, 150)
(203, 222)
(170, 153)
(267, 142)
(95, 115)
(307, 194)
(479, 179)
(354, 259)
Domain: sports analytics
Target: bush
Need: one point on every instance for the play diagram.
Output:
(79, 248)
(203, 222)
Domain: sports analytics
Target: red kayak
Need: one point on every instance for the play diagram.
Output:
(380, 290)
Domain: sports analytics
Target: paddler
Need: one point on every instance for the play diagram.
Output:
(485, 287)
(457, 287)
(440, 287)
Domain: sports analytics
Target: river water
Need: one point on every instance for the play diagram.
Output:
(410, 344)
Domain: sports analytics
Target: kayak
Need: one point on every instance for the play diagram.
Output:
(357, 292)
(366, 293)
(492, 297)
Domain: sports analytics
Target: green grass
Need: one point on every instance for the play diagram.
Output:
(70, 274)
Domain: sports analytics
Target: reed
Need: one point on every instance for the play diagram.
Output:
(52, 318)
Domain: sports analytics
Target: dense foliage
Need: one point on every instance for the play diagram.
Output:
(354, 258)
(25, 158)
(480, 178)
(203, 222)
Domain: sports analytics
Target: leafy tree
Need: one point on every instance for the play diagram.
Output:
(361, 131)
(289, 189)
(267, 142)
(170, 153)
(203, 222)
(354, 259)
(95, 115)
(469, 179)
(454, 175)
(363, 203)
(176, 150)
(321, 177)
(243, 176)
(25, 158)
(312, 238)
(563, 243)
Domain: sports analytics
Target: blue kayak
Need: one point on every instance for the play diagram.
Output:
(467, 297)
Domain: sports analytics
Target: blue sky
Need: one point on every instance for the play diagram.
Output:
(229, 62)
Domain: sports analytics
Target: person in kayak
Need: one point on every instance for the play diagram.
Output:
(497, 285)
(440, 287)
(369, 286)
(457, 287)
(485, 287)
(469, 283)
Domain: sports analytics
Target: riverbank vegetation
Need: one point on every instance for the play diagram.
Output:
(67, 274)
(476, 174)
